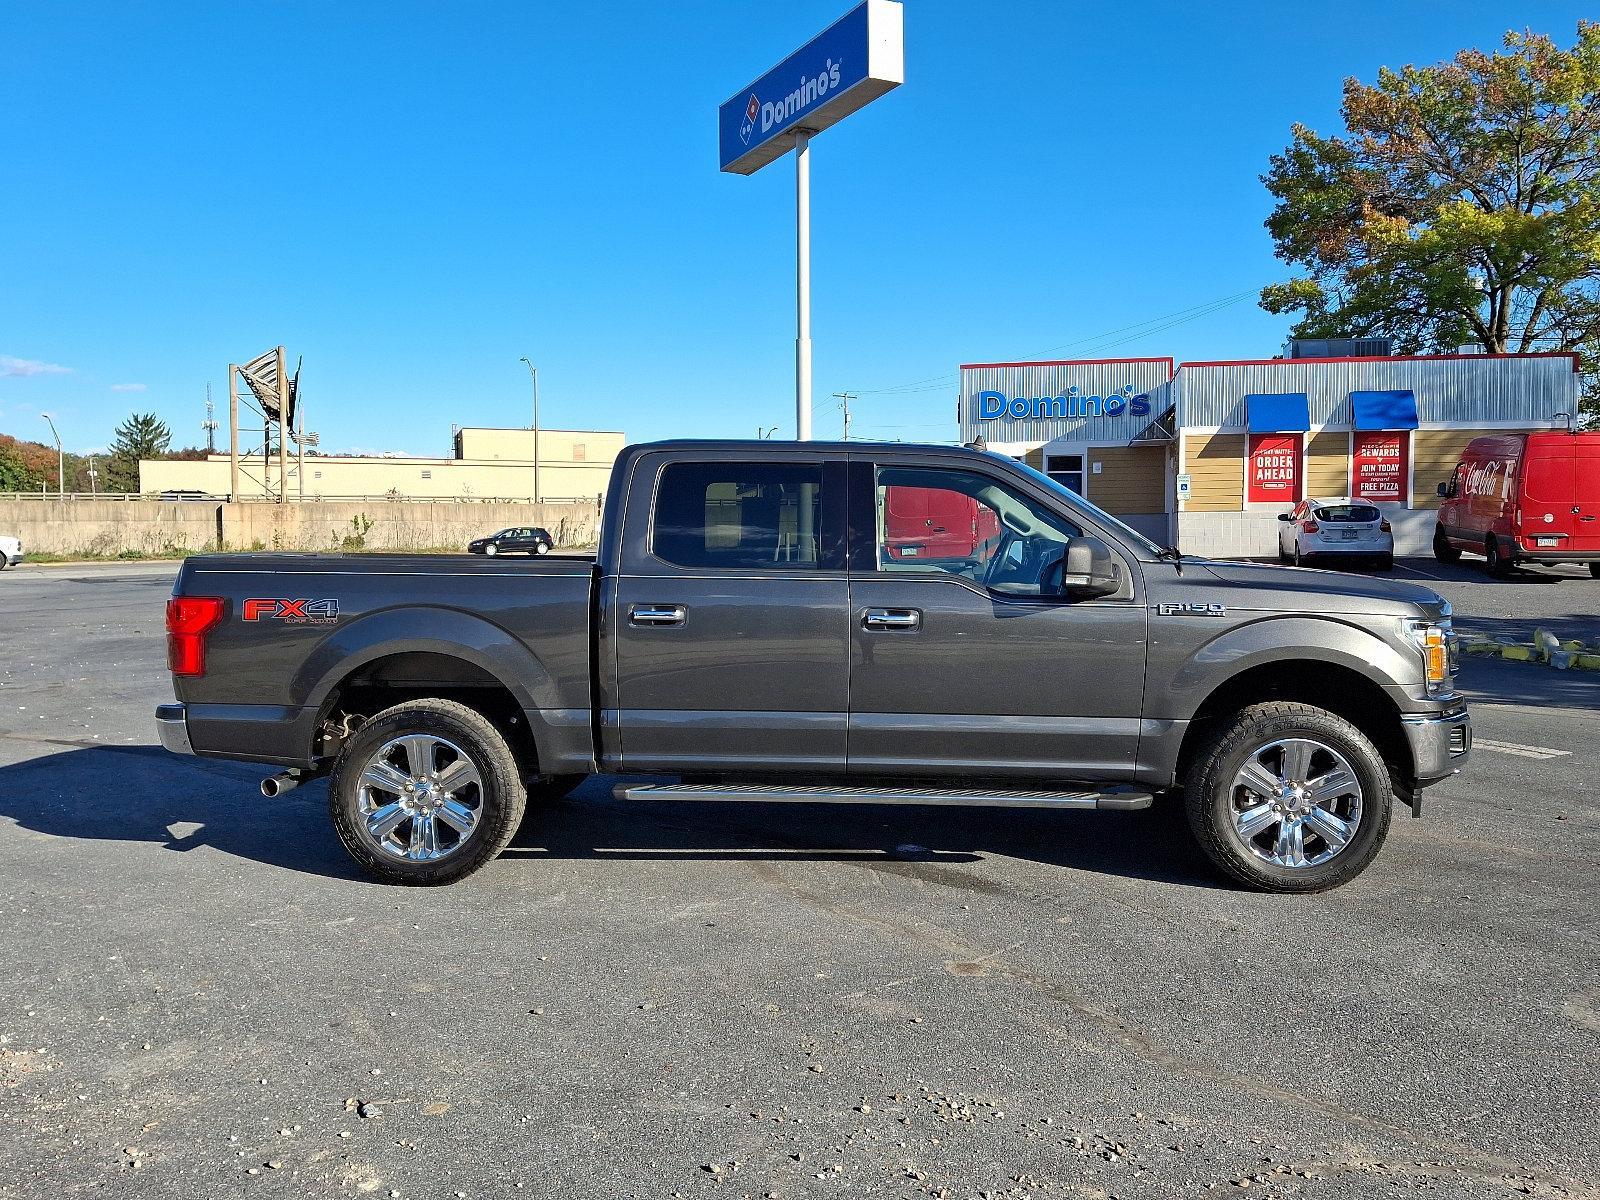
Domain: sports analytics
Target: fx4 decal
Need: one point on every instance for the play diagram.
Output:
(302, 611)
(1199, 610)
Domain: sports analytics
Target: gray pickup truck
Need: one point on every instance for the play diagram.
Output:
(826, 623)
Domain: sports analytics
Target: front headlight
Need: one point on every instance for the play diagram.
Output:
(1436, 642)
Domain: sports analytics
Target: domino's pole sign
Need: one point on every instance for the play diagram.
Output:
(842, 69)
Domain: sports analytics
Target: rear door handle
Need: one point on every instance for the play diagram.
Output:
(656, 614)
(891, 618)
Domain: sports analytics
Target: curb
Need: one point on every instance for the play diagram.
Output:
(1545, 649)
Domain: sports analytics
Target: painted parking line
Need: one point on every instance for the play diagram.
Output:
(1541, 752)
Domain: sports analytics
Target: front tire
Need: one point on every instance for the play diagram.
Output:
(491, 550)
(426, 793)
(1288, 797)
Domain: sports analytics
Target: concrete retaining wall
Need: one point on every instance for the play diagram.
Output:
(109, 527)
(1254, 533)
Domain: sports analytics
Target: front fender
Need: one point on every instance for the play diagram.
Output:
(1288, 638)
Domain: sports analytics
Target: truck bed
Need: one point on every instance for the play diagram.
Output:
(298, 628)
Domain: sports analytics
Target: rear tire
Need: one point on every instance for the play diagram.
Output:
(1217, 802)
(1442, 549)
(1594, 570)
(541, 548)
(1493, 562)
(1386, 563)
(375, 821)
(1299, 559)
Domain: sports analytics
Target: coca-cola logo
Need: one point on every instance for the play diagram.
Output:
(1492, 478)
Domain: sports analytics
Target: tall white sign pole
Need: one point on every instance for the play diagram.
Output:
(855, 60)
(802, 279)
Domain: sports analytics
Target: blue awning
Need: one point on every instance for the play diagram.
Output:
(1384, 410)
(1278, 412)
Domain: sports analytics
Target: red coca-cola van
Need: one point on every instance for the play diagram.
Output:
(935, 523)
(1524, 498)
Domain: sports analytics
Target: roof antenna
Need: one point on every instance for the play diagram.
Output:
(978, 443)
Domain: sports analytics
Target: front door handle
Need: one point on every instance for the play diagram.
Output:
(891, 618)
(656, 614)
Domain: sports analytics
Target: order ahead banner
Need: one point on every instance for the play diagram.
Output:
(842, 69)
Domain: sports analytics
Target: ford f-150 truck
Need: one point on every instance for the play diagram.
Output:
(748, 630)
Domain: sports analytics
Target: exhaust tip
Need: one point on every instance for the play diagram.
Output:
(274, 786)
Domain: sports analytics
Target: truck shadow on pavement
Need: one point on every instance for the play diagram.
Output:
(144, 794)
(932, 844)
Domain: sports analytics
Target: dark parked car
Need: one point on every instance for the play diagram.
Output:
(514, 541)
(752, 626)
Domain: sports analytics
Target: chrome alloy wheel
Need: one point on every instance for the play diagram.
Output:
(419, 798)
(1295, 803)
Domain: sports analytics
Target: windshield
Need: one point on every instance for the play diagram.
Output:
(1123, 530)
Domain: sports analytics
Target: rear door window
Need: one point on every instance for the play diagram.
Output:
(744, 516)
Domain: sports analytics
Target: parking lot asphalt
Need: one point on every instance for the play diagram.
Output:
(199, 997)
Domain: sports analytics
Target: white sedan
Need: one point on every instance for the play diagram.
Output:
(10, 552)
(1339, 527)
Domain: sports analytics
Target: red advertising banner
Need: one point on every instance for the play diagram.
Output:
(1274, 470)
(1378, 466)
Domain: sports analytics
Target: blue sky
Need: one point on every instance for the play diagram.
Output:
(412, 196)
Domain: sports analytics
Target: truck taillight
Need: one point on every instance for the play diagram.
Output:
(189, 619)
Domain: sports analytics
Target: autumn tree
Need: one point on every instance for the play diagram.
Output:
(142, 435)
(1460, 206)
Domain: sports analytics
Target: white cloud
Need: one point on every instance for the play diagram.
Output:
(21, 368)
(127, 387)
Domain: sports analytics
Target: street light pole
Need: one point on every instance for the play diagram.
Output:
(94, 476)
(534, 372)
(61, 461)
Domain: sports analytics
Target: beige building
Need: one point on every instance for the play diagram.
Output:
(489, 464)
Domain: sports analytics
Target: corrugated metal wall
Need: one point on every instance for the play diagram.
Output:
(1047, 381)
(1468, 390)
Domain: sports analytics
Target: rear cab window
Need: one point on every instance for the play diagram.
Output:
(740, 516)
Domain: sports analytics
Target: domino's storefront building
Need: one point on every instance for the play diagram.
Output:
(1205, 455)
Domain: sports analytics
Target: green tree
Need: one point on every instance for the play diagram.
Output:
(142, 435)
(16, 475)
(1460, 206)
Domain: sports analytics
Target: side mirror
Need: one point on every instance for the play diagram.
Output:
(1444, 489)
(1088, 569)
(1284, 517)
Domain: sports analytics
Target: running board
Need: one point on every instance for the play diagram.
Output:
(1116, 799)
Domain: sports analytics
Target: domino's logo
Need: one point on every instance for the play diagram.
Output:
(747, 127)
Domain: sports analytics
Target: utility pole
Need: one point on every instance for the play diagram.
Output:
(844, 399)
(283, 431)
(534, 372)
(61, 461)
(233, 434)
(93, 476)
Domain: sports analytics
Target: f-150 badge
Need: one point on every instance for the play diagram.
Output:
(1195, 610)
(302, 611)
